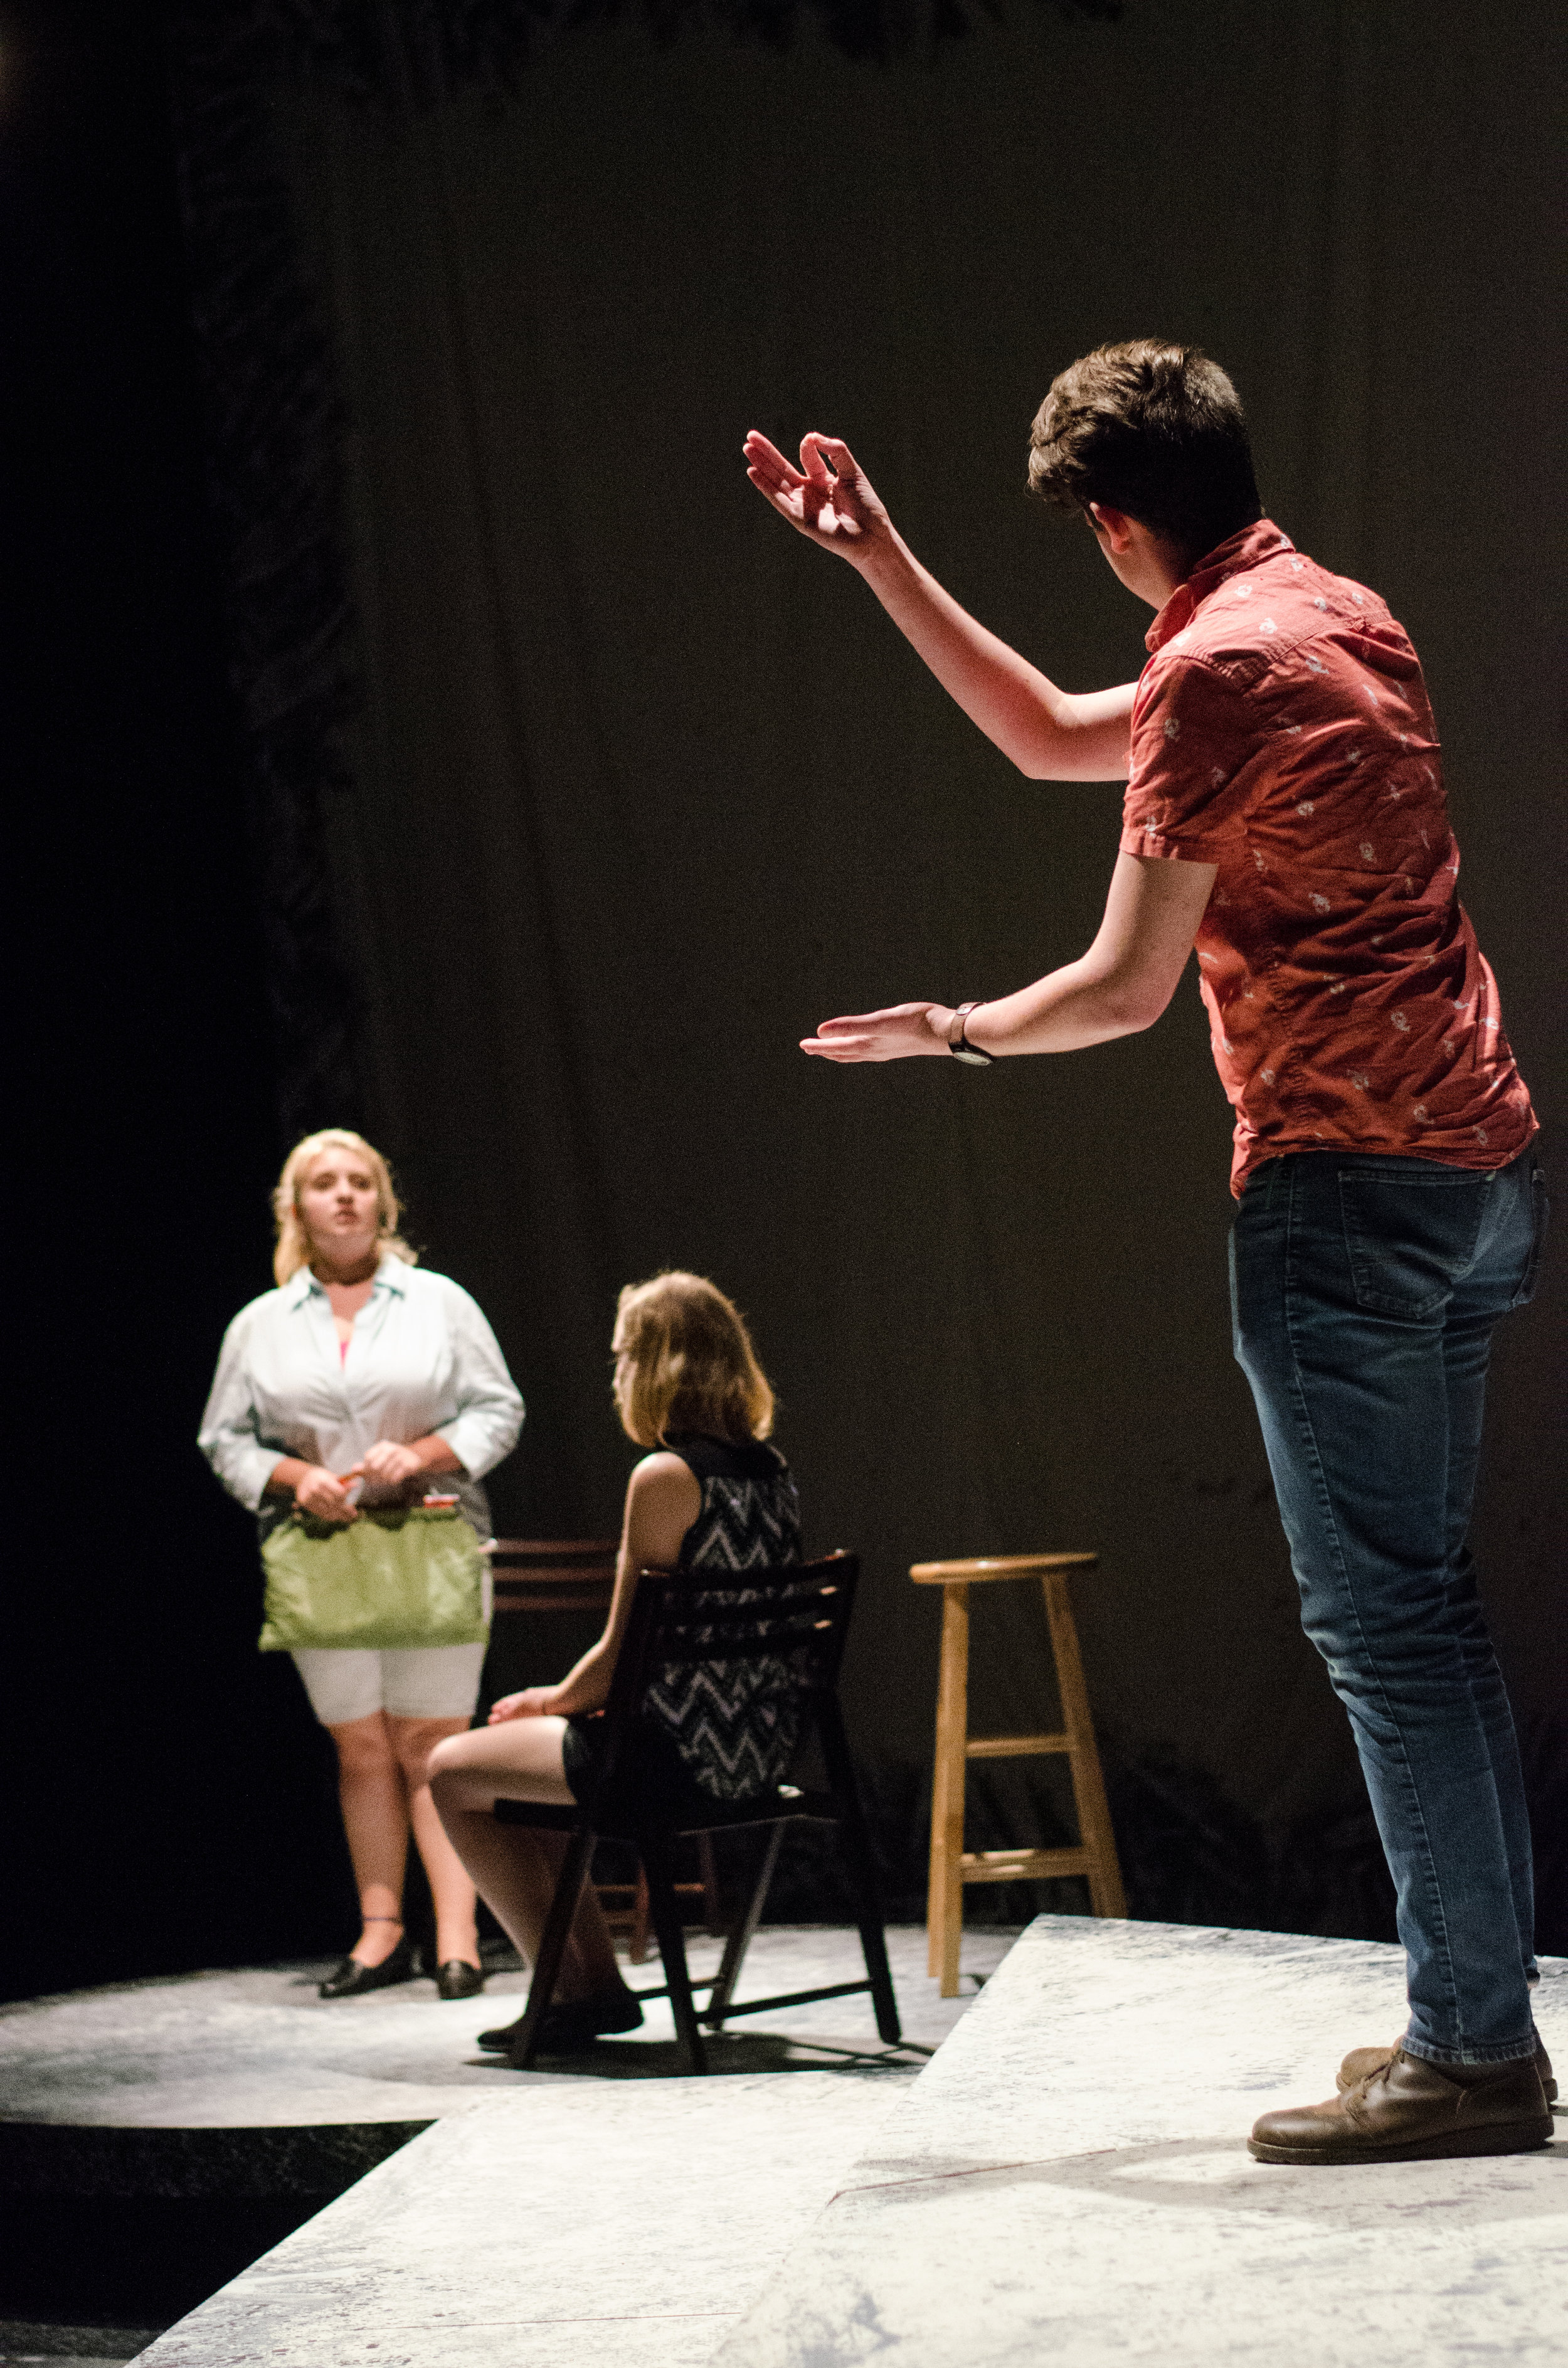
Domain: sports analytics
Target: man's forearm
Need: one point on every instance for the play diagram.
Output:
(1051, 735)
(1063, 1012)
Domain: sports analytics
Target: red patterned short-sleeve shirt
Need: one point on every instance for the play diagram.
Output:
(1282, 731)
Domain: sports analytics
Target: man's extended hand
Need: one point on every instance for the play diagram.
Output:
(837, 509)
(899, 1033)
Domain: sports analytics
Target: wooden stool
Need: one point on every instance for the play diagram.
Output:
(951, 1865)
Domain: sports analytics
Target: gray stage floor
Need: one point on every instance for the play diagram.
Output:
(259, 2049)
(245, 2083)
(1066, 2181)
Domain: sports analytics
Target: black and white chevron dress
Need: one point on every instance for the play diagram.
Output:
(722, 1732)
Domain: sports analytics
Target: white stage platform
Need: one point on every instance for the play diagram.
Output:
(1067, 2182)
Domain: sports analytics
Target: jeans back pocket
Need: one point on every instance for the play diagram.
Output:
(1410, 1238)
(1541, 1214)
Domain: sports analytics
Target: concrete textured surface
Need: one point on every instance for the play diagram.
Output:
(606, 2200)
(1066, 2181)
(1069, 2182)
(253, 2050)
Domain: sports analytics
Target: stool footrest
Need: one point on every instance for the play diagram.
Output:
(1021, 1865)
(1016, 1747)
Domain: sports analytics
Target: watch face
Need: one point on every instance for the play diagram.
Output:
(966, 1053)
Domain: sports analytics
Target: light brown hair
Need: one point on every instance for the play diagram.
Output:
(692, 1364)
(1153, 429)
(293, 1249)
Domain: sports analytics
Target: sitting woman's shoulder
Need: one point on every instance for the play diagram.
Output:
(663, 1499)
(728, 1459)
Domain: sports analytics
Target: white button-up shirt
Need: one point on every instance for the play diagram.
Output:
(421, 1360)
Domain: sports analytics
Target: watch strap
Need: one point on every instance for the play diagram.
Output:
(958, 1045)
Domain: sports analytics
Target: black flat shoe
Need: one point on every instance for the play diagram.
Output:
(572, 2024)
(351, 1979)
(458, 1979)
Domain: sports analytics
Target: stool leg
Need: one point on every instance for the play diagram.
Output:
(1106, 1895)
(945, 1898)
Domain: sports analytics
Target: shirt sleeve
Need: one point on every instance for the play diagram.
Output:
(229, 1434)
(490, 1411)
(1194, 740)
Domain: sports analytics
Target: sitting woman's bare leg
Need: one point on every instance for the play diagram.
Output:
(516, 1867)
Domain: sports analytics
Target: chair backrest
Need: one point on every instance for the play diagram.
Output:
(727, 1666)
(553, 1574)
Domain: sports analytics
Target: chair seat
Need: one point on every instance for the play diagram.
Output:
(788, 1804)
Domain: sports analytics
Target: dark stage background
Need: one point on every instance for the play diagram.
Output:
(437, 734)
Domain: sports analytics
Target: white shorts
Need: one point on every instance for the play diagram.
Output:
(429, 1681)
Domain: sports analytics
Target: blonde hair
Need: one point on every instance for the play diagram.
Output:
(293, 1249)
(693, 1366)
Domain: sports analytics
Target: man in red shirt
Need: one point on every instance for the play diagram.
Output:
(1285, 814)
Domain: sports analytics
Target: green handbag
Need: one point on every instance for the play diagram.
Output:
(399, 1578)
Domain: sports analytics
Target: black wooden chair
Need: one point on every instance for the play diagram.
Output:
(576, 1576)
(739, 1666)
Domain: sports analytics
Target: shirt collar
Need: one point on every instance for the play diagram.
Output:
(391, 1275)
(1250, 548)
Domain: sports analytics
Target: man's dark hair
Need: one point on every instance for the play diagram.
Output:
(1154, 430)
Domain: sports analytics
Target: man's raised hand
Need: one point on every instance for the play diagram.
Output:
(828, 498)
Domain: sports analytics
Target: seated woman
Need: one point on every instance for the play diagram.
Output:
(712, 1495)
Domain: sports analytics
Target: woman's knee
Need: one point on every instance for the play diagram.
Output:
(457, 1787)
(446, 1757)
(414, 1741)
(364, 1746)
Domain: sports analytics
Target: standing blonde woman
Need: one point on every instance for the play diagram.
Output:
(712, 1495)
(363, 1380)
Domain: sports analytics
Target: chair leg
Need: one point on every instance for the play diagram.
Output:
(1106, 1895)
(552, 1947)
(856, 1843)
(740, 1934)
(713, 1912)
(945, 1901)
(637, 1948)
(665, 1909)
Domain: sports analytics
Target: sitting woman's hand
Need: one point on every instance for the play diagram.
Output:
(322, 1494)
(389, 1465)
(534, 1702)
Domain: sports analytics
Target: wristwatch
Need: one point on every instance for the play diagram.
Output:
(958, 1045)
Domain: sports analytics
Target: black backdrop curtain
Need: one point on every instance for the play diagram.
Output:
(583, 790)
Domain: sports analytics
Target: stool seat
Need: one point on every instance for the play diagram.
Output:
(939, 1574)
(951, 1865)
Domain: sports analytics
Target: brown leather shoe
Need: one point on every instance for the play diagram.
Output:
(1409, 2111)
(1362, 2060)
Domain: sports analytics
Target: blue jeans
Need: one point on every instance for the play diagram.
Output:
(1363, 1293)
